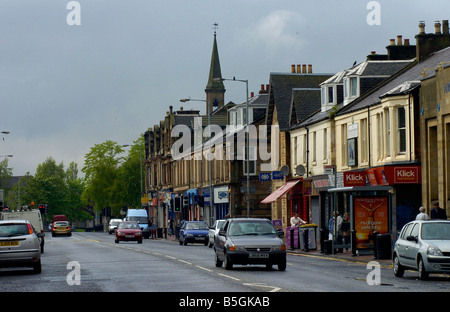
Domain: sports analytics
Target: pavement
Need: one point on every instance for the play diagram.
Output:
(345, 255)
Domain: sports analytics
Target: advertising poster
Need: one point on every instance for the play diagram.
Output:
(371, 215)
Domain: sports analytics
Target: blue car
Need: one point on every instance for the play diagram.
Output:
(194, 232)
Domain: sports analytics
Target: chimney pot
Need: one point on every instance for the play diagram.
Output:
(373, 52)
(445, 27)
(267, 87)
(399, 40)
(293, 69)
(252, 94)
(299, 70)
(437, 28)
(421, 27)
(406, 43)
(392, 42)
(304, 68)
(262, 87)
(309, 68)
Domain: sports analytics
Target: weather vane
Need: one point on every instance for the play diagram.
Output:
(215, 27)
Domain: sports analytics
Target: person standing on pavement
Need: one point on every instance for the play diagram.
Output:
(296, 220)
(171, 226)
(422, 215)
(438, 213)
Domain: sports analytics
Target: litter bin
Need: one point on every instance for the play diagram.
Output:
(382, 246)
(307, 232)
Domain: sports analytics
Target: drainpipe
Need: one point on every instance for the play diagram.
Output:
(307, 151)
(409, 115)
(368, 135)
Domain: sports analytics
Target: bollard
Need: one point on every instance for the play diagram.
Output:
(353, 242)
(322, 239)
(292, 238)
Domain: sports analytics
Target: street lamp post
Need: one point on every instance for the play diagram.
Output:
(247, 139)
(212, 215)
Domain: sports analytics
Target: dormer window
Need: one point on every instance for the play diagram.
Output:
(330, 94)
(351, 89)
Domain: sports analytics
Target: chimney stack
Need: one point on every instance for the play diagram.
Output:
(421, 27)
(437, 28)
(445, 27)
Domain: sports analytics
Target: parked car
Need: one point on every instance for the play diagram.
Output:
(249, 241)
(128, 231)
(423, 246)
(61, 228)
(213, 231)
(19, 245)
(194, 232)
(113, 225)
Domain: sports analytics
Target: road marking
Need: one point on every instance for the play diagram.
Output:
(170, 257)
(228, 276)
(94, 240)
(184, 261)
(200, 267)
(157, 253)
(274, 288)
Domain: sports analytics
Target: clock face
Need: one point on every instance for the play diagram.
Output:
(215, 102)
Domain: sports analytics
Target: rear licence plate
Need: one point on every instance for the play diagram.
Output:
(200, 238)
(258, 255)
(9, 243)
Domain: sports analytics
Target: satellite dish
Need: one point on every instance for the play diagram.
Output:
(285, 170)
(300, 170)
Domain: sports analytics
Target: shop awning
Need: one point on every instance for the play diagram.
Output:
(280, 192)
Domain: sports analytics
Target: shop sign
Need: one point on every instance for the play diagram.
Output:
(277, 175)
(355, 178)
(376, 176)
(221, 195)
(406, 174)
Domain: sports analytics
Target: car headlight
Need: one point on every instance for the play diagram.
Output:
(236, 248)
(120, 233)
(434, 251)
(279, 248)
(190, 235)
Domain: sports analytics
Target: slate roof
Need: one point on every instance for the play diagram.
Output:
(280, 94)
(304, 103)
(411, 73)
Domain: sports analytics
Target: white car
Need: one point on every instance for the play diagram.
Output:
(19, 245)
(423, 246)
(113, 223)
(214, 230)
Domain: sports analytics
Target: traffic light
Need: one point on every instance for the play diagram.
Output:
(43, 208)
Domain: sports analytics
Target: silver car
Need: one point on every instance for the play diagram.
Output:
(19, 245)
(423, 246)
(214, 230)
(249, 241)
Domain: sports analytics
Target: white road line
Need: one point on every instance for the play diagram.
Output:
(184, 261)
(200, 267)
(228, 276)
(170, 257)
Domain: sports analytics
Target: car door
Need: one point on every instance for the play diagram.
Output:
(401, 244)
(220, 240)
(413, 245)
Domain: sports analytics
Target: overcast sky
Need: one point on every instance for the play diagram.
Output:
(65, 88)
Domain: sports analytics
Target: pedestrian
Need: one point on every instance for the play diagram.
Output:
(171, 226)
(422, 215)
(296, 220)
(345, 227)
(437, 212)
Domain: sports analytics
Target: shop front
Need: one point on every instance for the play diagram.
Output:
(221, 201)
(378, 200)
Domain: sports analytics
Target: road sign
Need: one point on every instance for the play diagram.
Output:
(277, 175)
(265, 176)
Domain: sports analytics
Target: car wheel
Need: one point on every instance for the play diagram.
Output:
(117, 241)
(423, 274)
(185, 243)
(269, 266)
(140, 241)
(218, 261)
(37, 267)
(282, 266)
(228, 263)
(207, 243)
(181, 243)
(398, 269)
(210, 245)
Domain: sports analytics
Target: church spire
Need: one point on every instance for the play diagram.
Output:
(215, 89)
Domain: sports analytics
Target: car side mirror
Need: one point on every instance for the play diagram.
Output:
(280, 233)
(412, 239)
(222, 233)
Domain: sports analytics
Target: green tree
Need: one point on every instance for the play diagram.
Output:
(101, 169)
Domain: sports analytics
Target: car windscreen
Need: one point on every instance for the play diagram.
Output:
(197, 226)
(239, 228)
(129, 225)
(9, 230)
(436, 231)
(61, 223)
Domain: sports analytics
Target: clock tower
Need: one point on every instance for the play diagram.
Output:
(215, 90)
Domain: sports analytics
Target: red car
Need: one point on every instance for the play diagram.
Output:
(129, 231)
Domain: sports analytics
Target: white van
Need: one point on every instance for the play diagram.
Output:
(32, 215)
(139, 215)
(113, 223)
